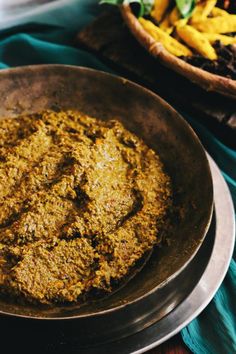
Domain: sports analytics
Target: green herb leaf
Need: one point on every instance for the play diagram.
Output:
(185, 7)
(145, 5)
(111, 2)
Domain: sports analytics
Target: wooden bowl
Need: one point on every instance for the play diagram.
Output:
(208, 81)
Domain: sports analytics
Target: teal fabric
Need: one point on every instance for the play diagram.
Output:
(214, 331)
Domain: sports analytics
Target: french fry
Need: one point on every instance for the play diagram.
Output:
(166, 26)
(220, 24)
(168, 42)
(202, 10)
(216, 11)
(171, 20)
(197, 41)
(181, 22)
(200, 35)
(174, 16)
(160, 7)
(226, 40)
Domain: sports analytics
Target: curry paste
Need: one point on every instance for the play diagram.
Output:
(81, 200)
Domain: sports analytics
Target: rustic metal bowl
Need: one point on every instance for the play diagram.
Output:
(36, 88)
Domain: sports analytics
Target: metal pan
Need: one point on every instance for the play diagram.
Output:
(35, 88)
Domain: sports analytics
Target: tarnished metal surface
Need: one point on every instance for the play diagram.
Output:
(32, 89)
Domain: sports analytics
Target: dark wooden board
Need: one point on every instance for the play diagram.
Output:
(111, 41)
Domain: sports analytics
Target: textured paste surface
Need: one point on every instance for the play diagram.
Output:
(81, 200)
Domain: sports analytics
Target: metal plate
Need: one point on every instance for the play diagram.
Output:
(52, 12)
(15, 10)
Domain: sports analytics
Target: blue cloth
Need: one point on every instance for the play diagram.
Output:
(214, 331)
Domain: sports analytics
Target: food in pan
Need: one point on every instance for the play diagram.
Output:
(82, 200)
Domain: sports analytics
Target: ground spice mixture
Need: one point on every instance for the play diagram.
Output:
(81, 200)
